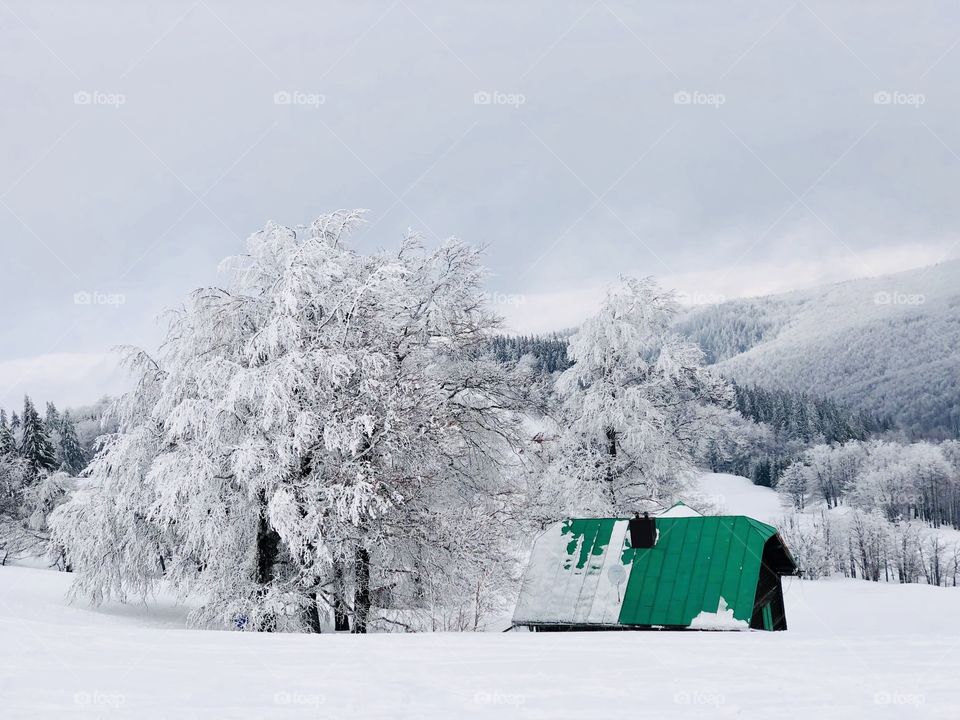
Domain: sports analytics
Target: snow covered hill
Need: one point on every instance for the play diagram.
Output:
(854, 650)
(885, 344)
(735, 495)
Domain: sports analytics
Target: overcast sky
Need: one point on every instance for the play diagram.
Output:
(726, 148)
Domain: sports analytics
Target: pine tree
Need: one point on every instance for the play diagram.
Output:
(8, 445)
(35, 445)
(52, 417)
(71, 455)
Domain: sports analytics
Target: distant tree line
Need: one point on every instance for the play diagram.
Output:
(895, 496)
(916, 481)
(864, 544)
(805, 417)
(547, 352)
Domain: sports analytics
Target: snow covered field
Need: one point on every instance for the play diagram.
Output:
(854, 650)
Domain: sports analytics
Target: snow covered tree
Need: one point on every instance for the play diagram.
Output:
(35, 445)
(14, 478)
(868, 536)
(635, 403)
(317, 424)
(812, 541)
(795, 484)
(834, 469)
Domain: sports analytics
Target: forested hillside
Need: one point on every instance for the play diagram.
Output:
(731, 328)
(887, 346)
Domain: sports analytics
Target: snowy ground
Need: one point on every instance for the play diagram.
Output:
(854, 650)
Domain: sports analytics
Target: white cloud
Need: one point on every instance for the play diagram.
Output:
(66, 379)
(544, 312)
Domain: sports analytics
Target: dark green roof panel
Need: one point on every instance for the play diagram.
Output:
(695, 562)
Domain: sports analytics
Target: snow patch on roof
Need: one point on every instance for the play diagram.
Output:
(559, 587)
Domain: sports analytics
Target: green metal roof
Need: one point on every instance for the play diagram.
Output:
(573, 576)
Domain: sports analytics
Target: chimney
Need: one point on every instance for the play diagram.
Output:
(643, 531)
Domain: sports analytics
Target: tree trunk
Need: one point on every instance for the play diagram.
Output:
(268, 550)
(341, 620)
(476, 614)
(311, 616)
(361, 596)
(612, 452)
